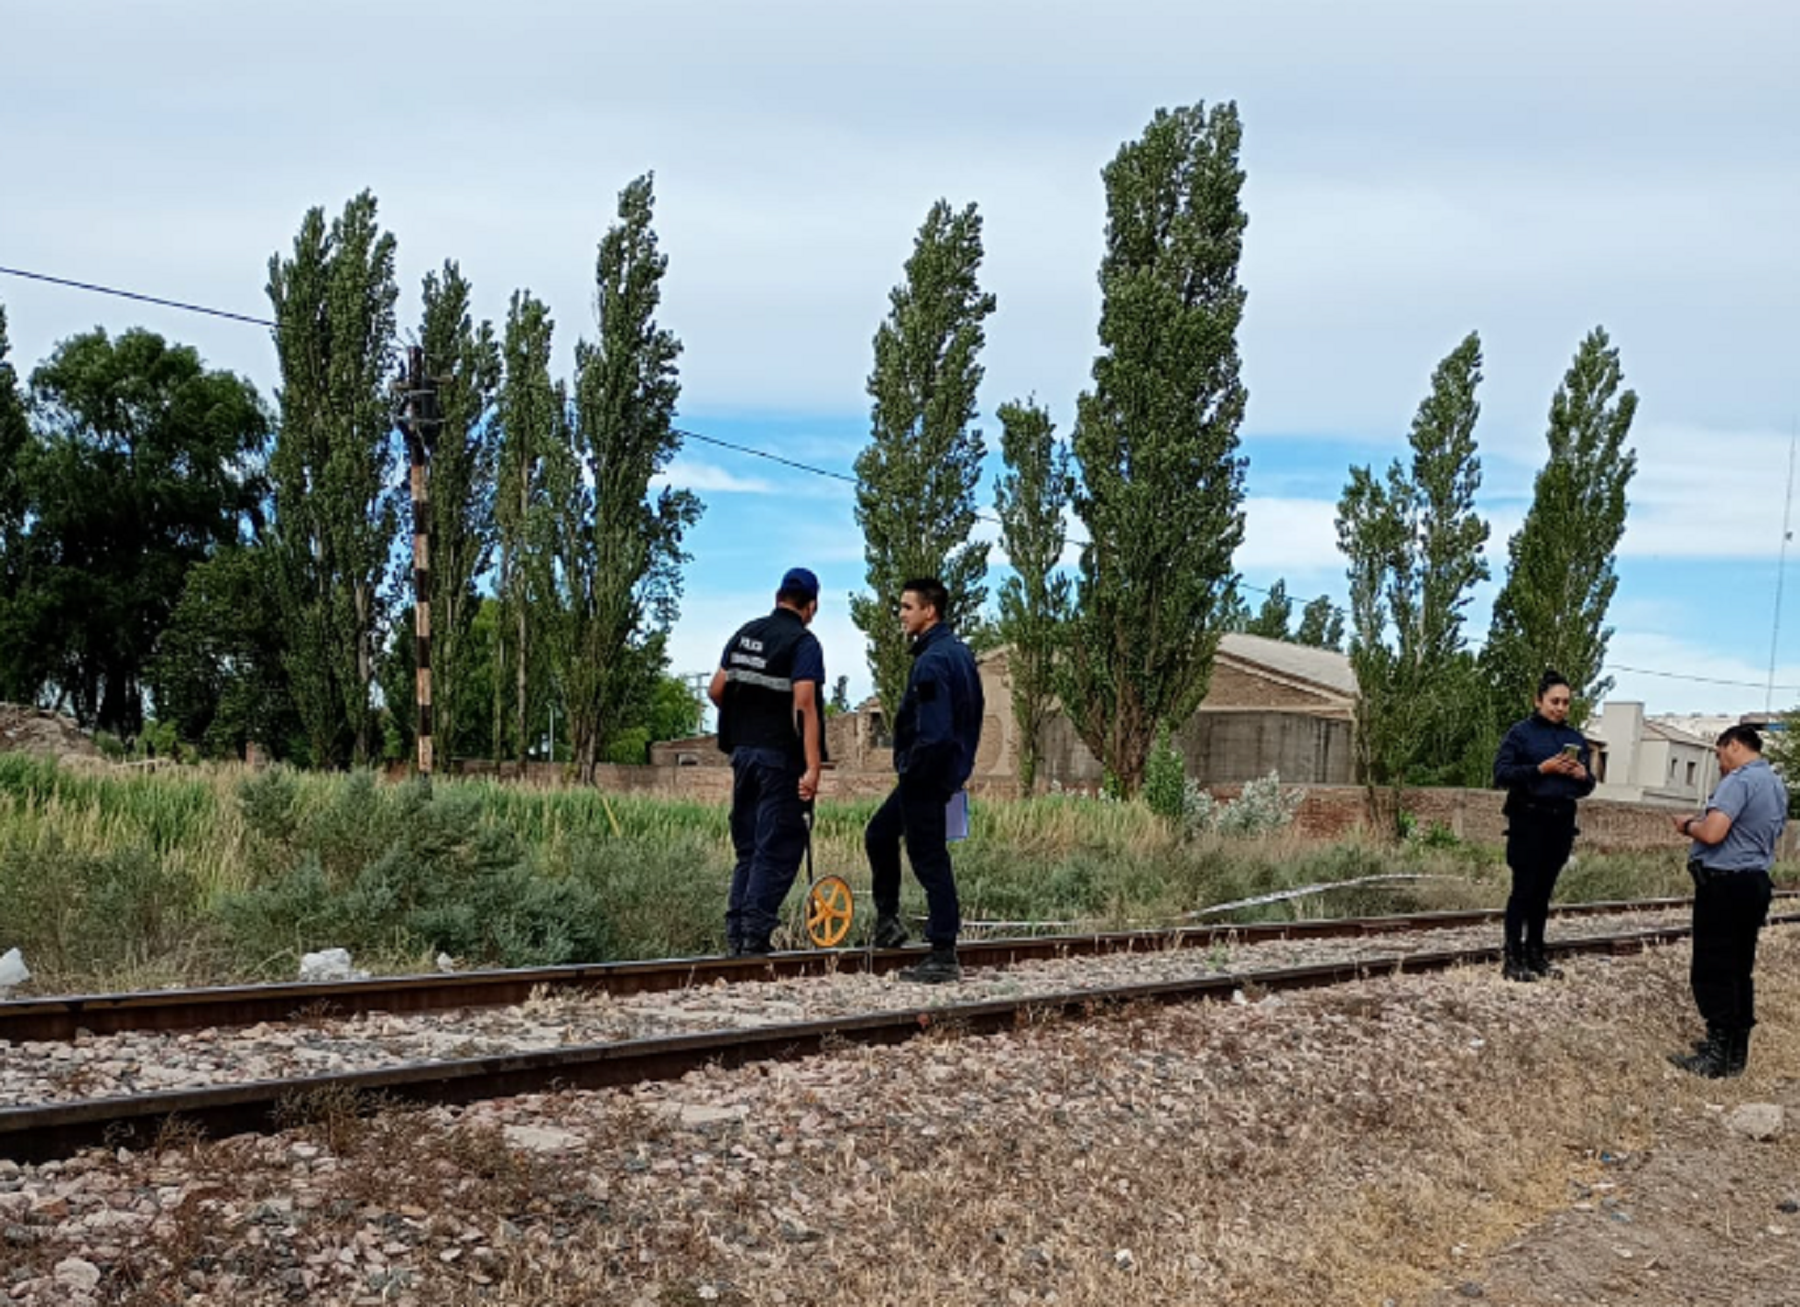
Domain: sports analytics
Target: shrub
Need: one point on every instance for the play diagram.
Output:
(1261, 809)
(1165, 779)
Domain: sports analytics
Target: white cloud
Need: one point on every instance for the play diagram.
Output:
(686, 474)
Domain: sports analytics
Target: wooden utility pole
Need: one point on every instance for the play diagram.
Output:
(419, 423)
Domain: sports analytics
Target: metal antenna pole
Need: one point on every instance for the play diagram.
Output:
(1787, 534)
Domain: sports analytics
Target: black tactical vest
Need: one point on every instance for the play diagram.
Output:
(758, 711)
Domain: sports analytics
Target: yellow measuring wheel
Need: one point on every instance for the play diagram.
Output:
(828, 911)
(829, 903)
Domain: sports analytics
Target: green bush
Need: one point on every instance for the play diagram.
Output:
(393, 874)
(93, 914)
(1165, 779)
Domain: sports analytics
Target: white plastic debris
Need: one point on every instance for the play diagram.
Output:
(13, 970)
(329, 964)
(446, 963)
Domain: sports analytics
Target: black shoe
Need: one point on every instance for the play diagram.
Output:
(1514, 968)
(940, 967)
(1537, 961)
(1737, 1052)
(755, 948)
(889, 933)
(734, 948)
(1713, 1059)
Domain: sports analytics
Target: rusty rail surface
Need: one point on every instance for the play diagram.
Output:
(63, 1017)
(42, 1133)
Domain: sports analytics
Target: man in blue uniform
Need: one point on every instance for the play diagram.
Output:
(1733, 848)
(936, 730)
(769, 689)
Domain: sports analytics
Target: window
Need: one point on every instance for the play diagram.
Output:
(1672, 766)
(1690, 773)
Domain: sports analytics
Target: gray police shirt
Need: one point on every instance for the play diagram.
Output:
(1756, 801)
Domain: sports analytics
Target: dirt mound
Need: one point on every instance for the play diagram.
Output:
(44, 733)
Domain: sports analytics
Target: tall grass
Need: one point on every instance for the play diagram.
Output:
(110, 877)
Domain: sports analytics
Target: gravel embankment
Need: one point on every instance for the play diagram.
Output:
(149, 1062)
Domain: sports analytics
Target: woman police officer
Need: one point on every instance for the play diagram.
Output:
(1543, 767)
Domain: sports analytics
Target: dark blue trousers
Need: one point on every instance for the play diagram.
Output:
(1537, 846)
(768, 833)
(914, 815)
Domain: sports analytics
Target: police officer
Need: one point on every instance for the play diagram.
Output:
(1543, 767)
(1733, 848)
(769, 689)
(936, 731)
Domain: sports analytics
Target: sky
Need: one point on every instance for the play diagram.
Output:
(1416, 170)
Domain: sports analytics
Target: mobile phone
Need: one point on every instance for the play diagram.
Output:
(1571, 751)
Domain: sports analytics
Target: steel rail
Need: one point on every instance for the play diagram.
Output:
(59, 1130)
(64, 1017)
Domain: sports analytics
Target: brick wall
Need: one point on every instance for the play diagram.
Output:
(1333, 811)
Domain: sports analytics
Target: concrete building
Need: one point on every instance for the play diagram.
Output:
(1655, 759)
(1271, 706)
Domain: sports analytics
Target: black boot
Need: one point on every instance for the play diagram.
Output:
(889, 933)
(940, 967)
(1514, 967)
(1538, 962)
(1711, 1061)
(1737, 1052)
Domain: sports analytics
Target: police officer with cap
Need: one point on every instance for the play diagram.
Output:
(769, 690)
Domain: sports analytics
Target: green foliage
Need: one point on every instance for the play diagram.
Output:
(531, 419)
(1271, 620)
(465, 360)
(1781, 746)
(16, 678)
(333, 469)
(83, 913)
(1031, 500)
(609, 586)
(219, 675)
(141, 465)
(916, 480)
(1559, 578)
(1165, 779)
(1161, 488)
(396, 873)
(1413, 544)
(1321, 625)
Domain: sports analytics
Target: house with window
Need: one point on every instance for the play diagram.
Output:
(1655, 759)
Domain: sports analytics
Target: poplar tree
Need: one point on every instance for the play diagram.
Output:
(1271, 620)
(1559, 577)
(465, 360)
(1321, 625)
(916, 479)
(1414, 544)
(615, 584)
(1031, 499)
(334, 469)
(18, 678)
(1162, 486)
(531, 418)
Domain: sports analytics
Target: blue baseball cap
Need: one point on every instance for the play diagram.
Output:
(798, 578)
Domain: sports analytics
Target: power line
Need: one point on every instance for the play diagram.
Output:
(754, 452)
(1689, 676)
(134, 295)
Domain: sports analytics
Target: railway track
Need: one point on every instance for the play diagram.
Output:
(64, 1017)
(43, 1132)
